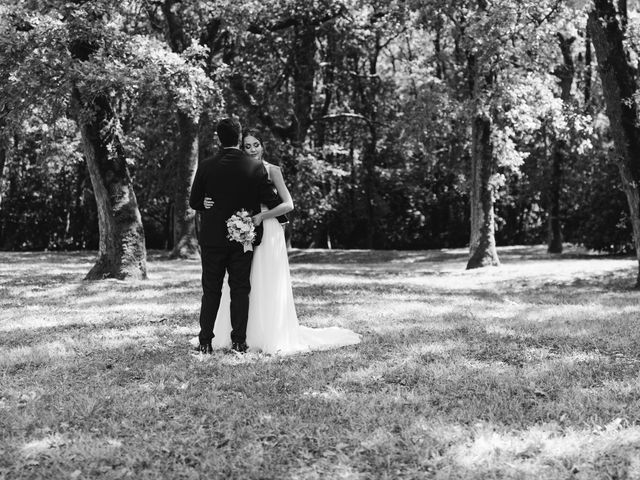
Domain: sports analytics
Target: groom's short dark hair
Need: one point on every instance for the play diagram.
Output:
(229, 131)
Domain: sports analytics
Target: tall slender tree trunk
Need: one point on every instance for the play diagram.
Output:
(554, 242)
(122, 252)
(4, 142)
(185, 242)
(565, 74)
(619, 84)
(587, 70)
(369, 181)
(3, 159)
(304, 73)
(78, 218)
(482, 241)
(168, 226)
(369, 94)
(482, 244)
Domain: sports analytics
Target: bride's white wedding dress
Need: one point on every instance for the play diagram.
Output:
(273, 325)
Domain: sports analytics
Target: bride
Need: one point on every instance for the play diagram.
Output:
(273, 324)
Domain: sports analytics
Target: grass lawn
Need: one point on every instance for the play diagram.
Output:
(530, 370)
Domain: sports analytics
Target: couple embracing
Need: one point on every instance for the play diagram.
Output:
(254, 310)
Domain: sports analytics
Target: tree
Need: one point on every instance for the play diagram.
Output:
(122, 252)
(393, 124)
(97, 63)
(57, 64)
(607, 25)
(359, 51)
(482, 49)
(280, 95)
(565, 74)
(187, 114)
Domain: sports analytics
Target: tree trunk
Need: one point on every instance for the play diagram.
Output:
(369, 94)
(3, 159)
(304, 71)
(78, 216)
(482, 242)
(619, 85)
(185, 243)
(169, 219)
(4, 146)
(369, 180)
(554, 243)
(565, 74)
(122, 252)
(482, 245)
(587, 71)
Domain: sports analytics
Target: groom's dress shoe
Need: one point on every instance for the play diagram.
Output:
(205, 348)
(239, 347)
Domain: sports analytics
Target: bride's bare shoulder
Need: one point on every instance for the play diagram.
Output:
(273, 171)
(271, 166)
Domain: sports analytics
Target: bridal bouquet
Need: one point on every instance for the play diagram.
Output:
(240, 229)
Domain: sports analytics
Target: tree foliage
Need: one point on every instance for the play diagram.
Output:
(366, 104)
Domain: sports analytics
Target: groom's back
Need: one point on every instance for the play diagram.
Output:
(229, 181)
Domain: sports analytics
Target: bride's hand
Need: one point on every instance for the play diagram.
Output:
(208, 202)
(257, 219)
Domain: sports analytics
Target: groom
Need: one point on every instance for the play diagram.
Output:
(234, 181)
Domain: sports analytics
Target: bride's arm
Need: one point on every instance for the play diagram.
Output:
(283, 192)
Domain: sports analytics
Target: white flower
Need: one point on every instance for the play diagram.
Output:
(240, 228)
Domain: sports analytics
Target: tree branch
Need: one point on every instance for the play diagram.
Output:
(280, 25)
(348, 115)
(292, 21)
(237, 84)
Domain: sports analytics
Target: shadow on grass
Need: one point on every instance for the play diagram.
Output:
(442, 352)
(506, 254)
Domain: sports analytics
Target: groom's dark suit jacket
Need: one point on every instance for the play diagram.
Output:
(234, 181)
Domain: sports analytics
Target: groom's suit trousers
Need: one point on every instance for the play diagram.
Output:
(215, 262)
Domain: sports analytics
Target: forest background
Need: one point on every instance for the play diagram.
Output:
(400, 124)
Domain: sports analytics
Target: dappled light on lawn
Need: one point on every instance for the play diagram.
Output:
(530, 370)
(32, 299)
(42, 353)
(539, 448)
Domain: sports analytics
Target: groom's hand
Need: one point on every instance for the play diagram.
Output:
(257, 219)
(208, 202)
